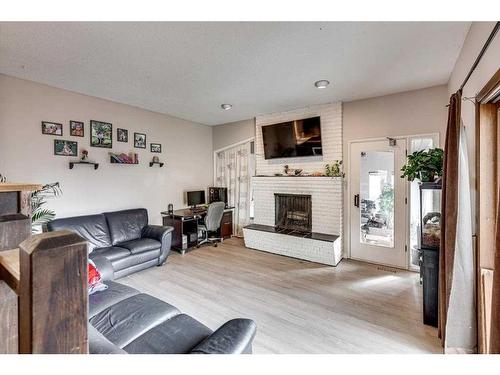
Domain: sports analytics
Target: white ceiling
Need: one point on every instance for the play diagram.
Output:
(187, 69)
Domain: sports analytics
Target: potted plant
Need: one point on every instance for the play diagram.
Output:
(39, 214)
(334, 169)
(424, 165)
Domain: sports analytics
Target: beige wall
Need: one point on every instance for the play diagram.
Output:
(406, 113)
(233, 132)
(28, 156)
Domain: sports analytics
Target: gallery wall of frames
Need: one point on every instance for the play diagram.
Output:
(101, 135)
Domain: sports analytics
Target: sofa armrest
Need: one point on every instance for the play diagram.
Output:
(162, 234)
(233, 337)
(104, 267)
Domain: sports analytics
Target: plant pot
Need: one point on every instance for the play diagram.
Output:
(427, 176)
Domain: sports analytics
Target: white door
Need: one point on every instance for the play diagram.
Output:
(378, 202)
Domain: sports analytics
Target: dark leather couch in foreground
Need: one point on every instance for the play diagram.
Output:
(120, 242)
(123, 320)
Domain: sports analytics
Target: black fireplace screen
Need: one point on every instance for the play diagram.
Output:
(293, 211)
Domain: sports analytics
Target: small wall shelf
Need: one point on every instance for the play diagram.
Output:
(151, 163)
(73, 163)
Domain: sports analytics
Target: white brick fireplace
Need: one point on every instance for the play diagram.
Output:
(326, 199)
(323, 245)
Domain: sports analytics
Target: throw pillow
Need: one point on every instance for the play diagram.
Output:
(95, 283)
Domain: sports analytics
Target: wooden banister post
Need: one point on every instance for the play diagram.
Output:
(53, 297)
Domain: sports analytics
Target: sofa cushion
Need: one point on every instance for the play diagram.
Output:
(141, 245)
(112, 253)
(93, 228)
(128, 319)
(126, 225)
(135, 259)
(98, 344)
(175, 336)
(115, 293)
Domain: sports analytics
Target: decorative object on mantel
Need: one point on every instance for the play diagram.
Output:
(3, 178)
(426, 166)
(156, 160)
(39, 215)
(123, 158)
(292, 172)
(318, 174)
(334, 169)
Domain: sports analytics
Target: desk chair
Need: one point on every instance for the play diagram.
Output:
(211, 223)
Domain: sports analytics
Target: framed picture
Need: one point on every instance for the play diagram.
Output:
(139, 140)
(76, 128)
(101, 134)
(121, 135)
(155, 147)
(65, 148)
(52, 128)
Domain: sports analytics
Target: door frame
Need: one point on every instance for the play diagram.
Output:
(347, 201)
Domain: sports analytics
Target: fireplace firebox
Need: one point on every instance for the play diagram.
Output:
(293, 212)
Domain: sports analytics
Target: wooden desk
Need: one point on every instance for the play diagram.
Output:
(185, 222)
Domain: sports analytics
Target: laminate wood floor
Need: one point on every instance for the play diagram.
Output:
(299, 306)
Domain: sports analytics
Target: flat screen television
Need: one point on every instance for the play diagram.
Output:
(293, 139)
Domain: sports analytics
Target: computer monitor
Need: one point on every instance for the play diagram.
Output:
(195, 197)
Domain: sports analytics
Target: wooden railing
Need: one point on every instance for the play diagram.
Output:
(43, 295)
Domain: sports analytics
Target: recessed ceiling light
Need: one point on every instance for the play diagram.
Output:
(321, 84)
(226, 107)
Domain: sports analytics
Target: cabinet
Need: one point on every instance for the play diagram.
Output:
(226, 224)
(429, 240)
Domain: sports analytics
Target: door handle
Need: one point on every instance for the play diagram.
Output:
(356, 200)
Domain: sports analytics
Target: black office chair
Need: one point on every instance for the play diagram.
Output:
(211, 223)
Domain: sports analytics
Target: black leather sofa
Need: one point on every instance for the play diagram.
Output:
(123, 320)
(120, 242)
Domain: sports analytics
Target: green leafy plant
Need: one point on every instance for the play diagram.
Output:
(424, 165)
(39, 214)
(334, 169)
(386, 202)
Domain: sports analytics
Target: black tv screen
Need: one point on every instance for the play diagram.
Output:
(293, 139)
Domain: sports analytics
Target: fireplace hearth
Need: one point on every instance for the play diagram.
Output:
(293, 212)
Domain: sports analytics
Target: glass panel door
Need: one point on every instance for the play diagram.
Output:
(378, 218)
(377, 198)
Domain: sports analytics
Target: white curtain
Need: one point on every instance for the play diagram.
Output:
(461, 320)
(232, 172)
